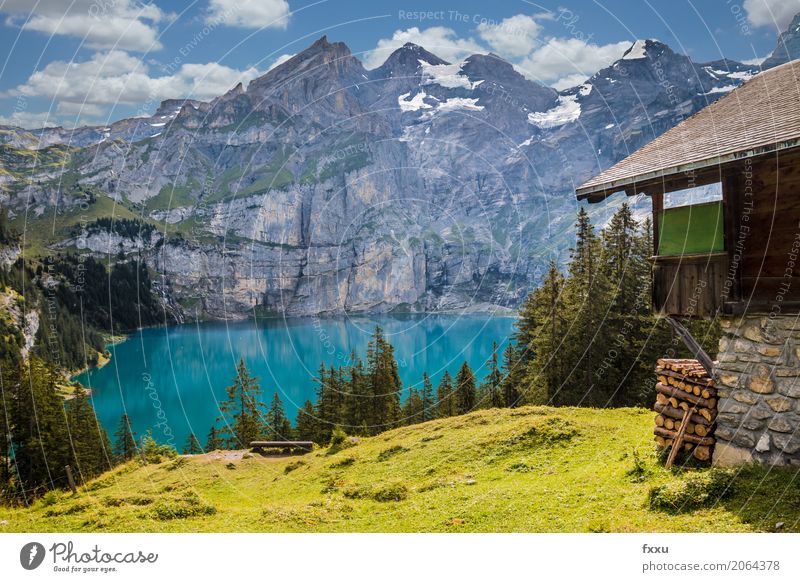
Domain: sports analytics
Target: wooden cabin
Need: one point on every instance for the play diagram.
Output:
(725, 190)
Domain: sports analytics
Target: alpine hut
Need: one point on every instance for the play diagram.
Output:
(734, 253)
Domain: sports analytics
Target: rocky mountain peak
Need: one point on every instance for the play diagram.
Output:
(405, 62)
(322, 60)
(788, 47)
(647, 49)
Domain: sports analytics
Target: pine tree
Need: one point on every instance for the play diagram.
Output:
(544, 374)
(91, 449)
(444, 396)
(511, 364)
(586, 297)
(492, 387)
(358, 406)
(241, 412)
(40, 431)
(325, 408)
(214, 442)
(427, 401)
(125, 440)
(466, 393)
(307, 426)
(278, 426)
(384, 382)
(412, 408)
(192, 446)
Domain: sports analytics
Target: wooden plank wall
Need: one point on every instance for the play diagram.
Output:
(689, 286)
(773, 205)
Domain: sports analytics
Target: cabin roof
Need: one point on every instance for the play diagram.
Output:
(761, 116)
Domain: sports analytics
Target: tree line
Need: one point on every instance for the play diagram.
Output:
(588, 337)
(584, 337)
(360, 398)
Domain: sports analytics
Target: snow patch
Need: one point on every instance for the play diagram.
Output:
(725, 89)
(157, 124)
(448, 76)
(156, 134)
(585, 89)
(527, 142)
(743, 75)
(637, 51)
(460, 103)
(609, 126)
(567, 111)
(414, 104)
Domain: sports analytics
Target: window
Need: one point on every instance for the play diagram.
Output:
(692, 222)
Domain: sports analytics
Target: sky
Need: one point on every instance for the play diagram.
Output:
(92, 62)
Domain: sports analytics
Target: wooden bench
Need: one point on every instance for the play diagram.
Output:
(285, 446)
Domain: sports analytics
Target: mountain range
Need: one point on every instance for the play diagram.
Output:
(325, 187)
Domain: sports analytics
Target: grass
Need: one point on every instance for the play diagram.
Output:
(532, 469)
(52, 226)
(172, 196)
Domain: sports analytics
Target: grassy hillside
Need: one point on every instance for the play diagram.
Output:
(531, 469)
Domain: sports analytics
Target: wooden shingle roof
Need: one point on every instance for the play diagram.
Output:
(760, 116)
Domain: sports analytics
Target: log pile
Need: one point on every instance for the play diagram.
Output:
(686, 403)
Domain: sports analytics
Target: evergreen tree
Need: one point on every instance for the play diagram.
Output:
(40, 432)
(412, 408)
(125, 440)
(192, 446)
(444, 397)
(359, 403)
(307, 429)
(545, 373)
(278, 426)
(586, 298)
(241, 412)
(492, 387)
(384, 383)
(466, 393)
(427, 401)
(91, 449)
(214, 442)
(511, 364)
(326, 406)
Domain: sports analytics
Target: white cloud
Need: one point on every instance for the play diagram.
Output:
(569, 81)
(120, 24)
(29, 119)
(439, 40)
(777, 13)
(279, 61)
(562, 60)
(249, 13)
(116, 77)
(513, 37)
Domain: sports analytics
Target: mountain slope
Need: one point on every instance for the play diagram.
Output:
(323, 187)
(531, 469)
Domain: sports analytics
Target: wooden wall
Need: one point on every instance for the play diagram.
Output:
(763, 231)
(690, 285)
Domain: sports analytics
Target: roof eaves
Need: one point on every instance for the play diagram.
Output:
(604, 189)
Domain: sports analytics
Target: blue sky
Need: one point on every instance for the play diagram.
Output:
(102, 60)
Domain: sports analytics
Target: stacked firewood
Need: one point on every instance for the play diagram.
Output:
(686, 403)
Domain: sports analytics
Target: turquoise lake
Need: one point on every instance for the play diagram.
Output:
(171, 379)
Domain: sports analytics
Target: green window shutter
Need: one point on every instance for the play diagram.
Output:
(691, 229)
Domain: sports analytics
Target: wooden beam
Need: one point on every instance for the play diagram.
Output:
(676, 444)
(692, 345)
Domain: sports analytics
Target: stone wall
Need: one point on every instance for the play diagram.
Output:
(758, 378)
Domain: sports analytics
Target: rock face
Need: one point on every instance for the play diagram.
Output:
(788, 47)
(759, 390)
(326, 187)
